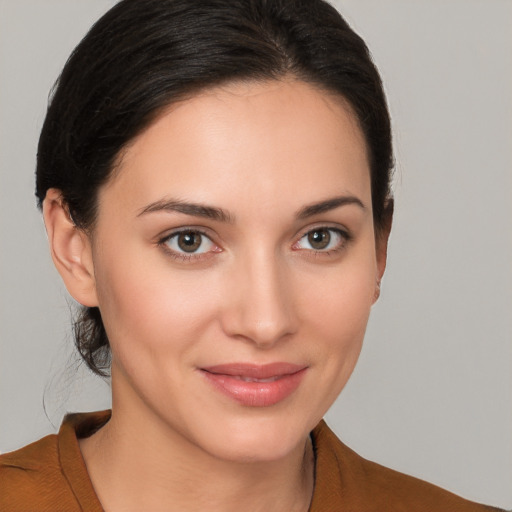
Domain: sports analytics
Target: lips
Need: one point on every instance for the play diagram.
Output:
(255, 385)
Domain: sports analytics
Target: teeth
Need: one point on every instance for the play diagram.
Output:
(251, 379)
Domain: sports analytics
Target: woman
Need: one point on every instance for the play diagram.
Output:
(221, 211)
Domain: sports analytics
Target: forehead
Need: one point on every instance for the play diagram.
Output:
(271, 141)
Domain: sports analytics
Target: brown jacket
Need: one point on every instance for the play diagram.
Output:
(50, 475)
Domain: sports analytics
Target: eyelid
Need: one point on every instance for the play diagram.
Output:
(168, 233)
(341, 231)
(162, 241)
(344, 231)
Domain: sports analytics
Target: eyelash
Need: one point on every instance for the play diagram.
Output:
(345, 237)
(183, 256)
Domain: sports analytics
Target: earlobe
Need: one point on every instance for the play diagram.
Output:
(381, 266)
(377, 291)
(70, 249)
(381, 246)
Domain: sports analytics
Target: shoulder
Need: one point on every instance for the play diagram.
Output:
(346, 479)
(32, 475)
(30, 464)
(50, 475)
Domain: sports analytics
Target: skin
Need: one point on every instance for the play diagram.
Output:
(256, 291)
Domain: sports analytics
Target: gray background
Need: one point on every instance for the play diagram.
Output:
(432, 394)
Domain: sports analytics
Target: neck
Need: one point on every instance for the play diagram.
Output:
(139, 463)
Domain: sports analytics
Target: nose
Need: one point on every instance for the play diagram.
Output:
(259, 307)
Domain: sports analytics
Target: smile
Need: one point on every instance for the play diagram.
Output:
(254, 385)
(252, 379)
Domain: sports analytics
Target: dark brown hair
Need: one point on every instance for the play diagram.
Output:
(143, 55)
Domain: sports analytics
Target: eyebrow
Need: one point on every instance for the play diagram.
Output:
(194, 209)
(328, 205)
(218, 214)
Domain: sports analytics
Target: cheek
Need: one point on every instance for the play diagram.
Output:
(338, 315)
(342, 300)
(341, 316)
(148, 307)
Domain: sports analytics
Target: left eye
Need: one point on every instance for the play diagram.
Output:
(190, 242)
(321, 239)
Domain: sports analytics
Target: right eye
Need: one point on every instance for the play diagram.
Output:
(190, 242)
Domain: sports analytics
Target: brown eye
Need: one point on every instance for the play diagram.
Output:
(189, 242)
(322, 239)
(319, 239)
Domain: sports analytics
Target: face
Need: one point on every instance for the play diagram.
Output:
(235, 266)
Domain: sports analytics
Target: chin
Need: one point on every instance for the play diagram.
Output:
(256, 439)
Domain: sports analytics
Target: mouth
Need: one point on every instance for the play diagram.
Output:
(252, 379)
(255, 385)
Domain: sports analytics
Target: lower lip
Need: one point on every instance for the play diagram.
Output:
(256, 394)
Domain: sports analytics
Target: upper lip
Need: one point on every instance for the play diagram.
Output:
(255, 371)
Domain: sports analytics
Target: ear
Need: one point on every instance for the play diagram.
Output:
(381, 245)
(70, 248)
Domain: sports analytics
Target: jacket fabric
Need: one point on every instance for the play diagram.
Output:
(50, 476)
